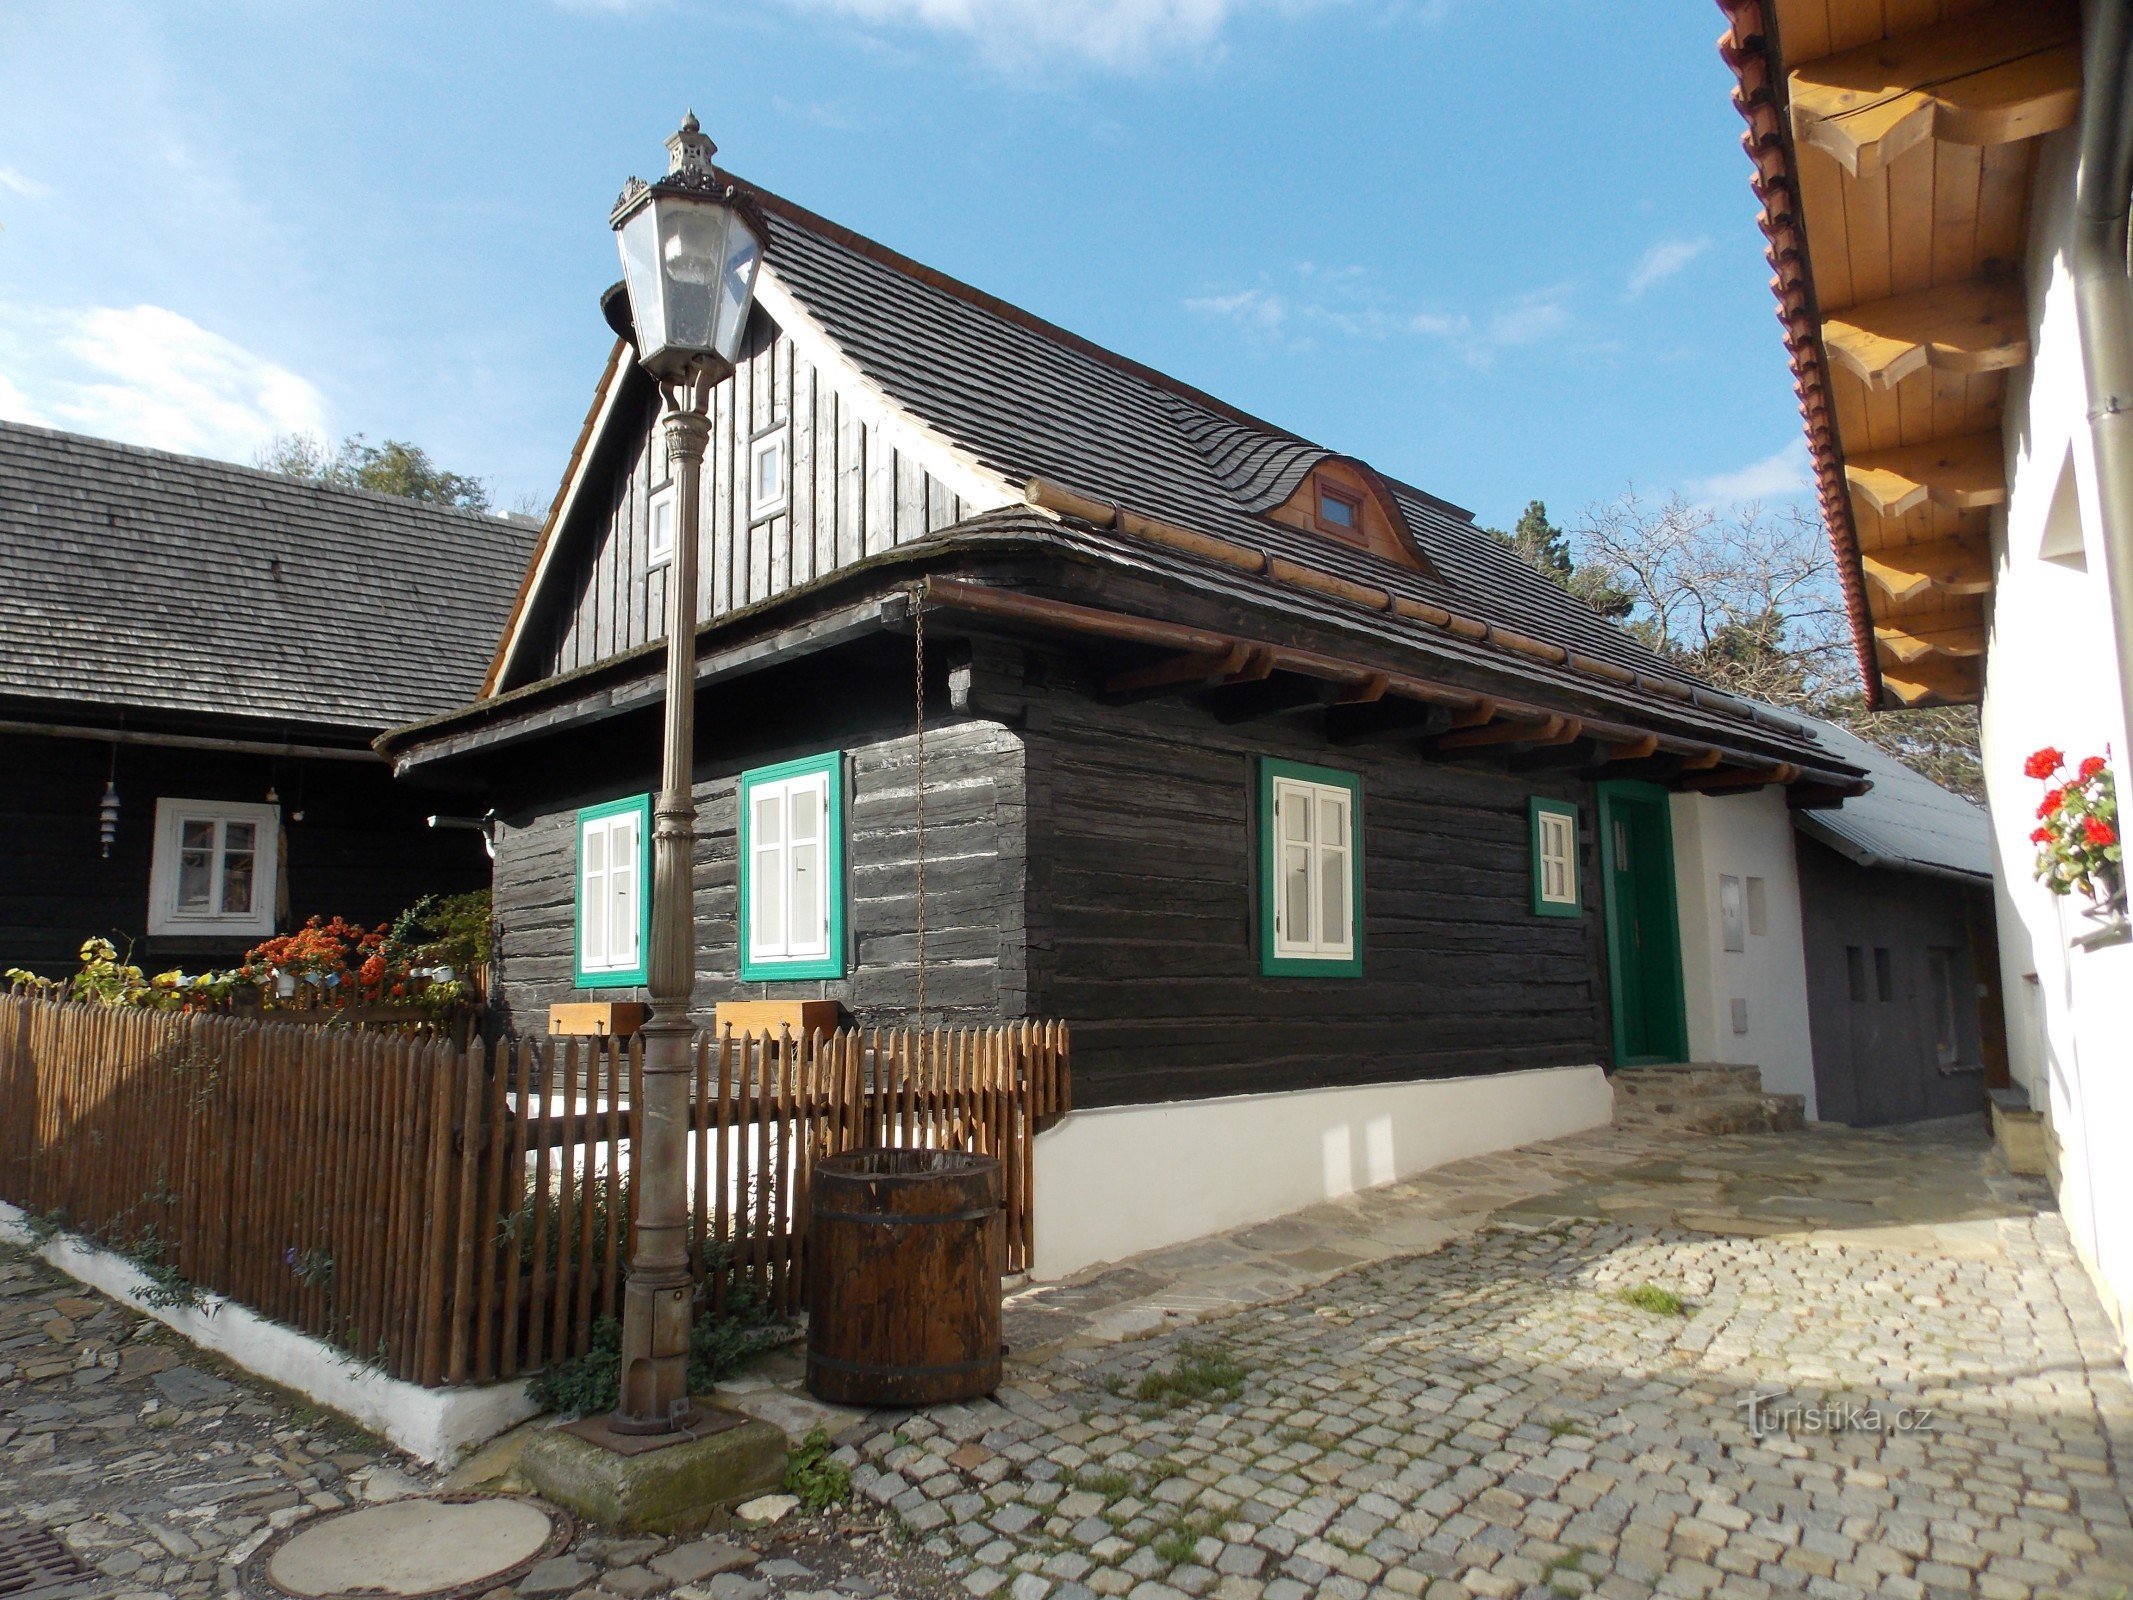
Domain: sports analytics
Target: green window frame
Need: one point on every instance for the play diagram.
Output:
(1284, 787)
(806, 792)
(627, 890)
(1552, 826)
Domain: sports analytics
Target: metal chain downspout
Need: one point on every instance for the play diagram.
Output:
(918, 695)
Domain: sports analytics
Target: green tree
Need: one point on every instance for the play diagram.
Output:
(394, 467)
(1546, 549)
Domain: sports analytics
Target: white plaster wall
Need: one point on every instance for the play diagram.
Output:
(1117, 1180)
(2050, 679)
(1744, 836)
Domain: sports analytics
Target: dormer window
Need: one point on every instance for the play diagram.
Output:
(1340, 513)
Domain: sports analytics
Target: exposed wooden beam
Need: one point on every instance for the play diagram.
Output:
(1701, 759)
(1479, 714)
(1249, 699)
(1742, 778)
(1550, 730)
(1192, 666)
(1978, 326)
(1935, 681)
(1906, 644)
(1631, 750)
(1990, 77)
(1369, 691)
(1962, 473)
(1960, 565)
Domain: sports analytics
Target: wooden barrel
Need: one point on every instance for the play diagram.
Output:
(904, 1255)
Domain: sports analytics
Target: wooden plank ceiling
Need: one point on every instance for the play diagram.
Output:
(1914, 127)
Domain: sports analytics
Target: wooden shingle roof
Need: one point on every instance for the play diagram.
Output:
(138, 579)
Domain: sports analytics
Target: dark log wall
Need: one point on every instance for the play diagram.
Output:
(362, 849)
(975, 847)
(1875, 1060)
(852, 494)
(1143, 912)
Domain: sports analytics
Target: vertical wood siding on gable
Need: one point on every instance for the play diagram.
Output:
(851, 493)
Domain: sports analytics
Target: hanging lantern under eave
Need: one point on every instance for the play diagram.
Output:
(691, 246)
(107, 817)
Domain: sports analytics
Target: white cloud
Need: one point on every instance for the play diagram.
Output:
(1778, 476)
(149, 376)
(20, 182)
(1343, 301)
(1662, 261)
(1120, 35)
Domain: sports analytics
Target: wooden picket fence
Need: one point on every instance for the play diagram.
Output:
(460, 1215)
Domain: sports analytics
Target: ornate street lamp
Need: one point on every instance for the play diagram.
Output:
(691, 244)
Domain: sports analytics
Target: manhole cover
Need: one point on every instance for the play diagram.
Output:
(34, 1565)
(425, 1547)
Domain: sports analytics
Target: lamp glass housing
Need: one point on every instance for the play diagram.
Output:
(690, 264)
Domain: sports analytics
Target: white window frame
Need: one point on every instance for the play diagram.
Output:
(166, 918)
(772, 441)
(618, 883)
(664, 510)
(1320, 855)
(1557, 841)
(773, 859)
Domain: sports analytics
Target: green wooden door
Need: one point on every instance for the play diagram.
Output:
(1643, 933)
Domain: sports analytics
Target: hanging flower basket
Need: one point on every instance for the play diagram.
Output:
(2077, 833)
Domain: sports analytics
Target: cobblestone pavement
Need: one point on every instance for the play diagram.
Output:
(1889, 1377)
(1349, 1418)
(164, 1470)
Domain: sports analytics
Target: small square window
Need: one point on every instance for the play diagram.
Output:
(1339, 513)
(766, 474)
(213, 868)
(659, 538)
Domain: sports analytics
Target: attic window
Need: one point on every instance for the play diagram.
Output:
(1340, 513)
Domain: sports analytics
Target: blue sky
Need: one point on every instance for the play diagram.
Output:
(1505, 250)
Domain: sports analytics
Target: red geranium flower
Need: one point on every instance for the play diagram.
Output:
(2053, 799)
(2091, 767)
(2044, 763)
(2100, 832)
(2041, 836)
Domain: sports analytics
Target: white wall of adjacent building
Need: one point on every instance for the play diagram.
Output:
(1746, 1006)
(2050, 680)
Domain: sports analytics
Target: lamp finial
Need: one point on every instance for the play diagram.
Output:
(689, 148)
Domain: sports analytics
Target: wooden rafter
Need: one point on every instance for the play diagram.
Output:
(1905, 645)
(1978, 326)
(1990, 77)
(1935, 681)
(1631, 750)
(1743, 778)
(1548, 730)
(1191, 666)
(1960, 565)
(1962, 473)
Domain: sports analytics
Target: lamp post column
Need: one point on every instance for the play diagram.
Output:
(657, 1299)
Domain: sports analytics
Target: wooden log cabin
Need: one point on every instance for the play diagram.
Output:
(1034, 682)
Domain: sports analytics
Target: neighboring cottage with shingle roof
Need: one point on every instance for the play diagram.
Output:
(200, 654)
(141, 580)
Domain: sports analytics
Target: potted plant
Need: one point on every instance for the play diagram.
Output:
(2077, 833)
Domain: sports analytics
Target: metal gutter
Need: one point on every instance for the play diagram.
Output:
(1818, 830)
(2103, 301)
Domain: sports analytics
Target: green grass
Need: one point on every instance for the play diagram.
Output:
(1109, 1482)
(1659, 1302)
(1199, 1372)
(1179, 1543)
(1571, 1560)
(811, 1473)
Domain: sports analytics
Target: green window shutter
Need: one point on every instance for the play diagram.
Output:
(1552, 827)
(791, 910)
(1310, 871)
(612, 928)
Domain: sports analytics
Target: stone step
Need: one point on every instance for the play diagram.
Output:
(1703, 1098)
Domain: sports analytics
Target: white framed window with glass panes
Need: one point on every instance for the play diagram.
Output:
(1315, 832)
(769, 471)
(214, 868)
(663, 516)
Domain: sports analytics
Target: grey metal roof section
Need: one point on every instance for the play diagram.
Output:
(137, 579)
(1906, 822)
